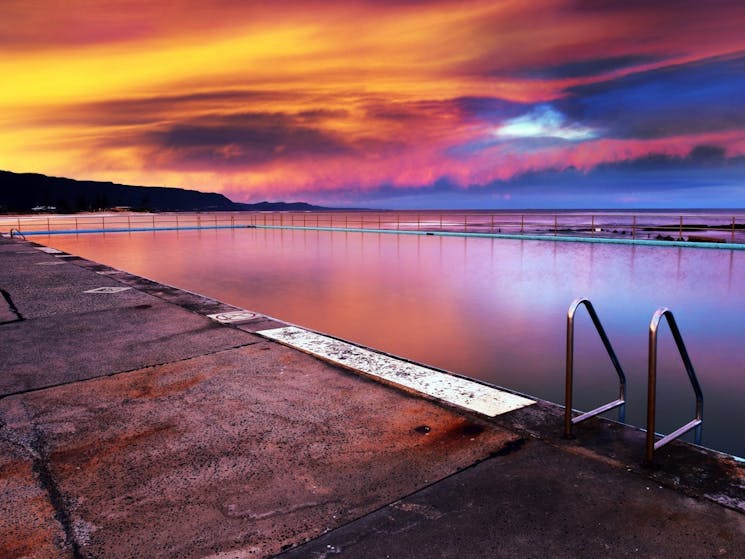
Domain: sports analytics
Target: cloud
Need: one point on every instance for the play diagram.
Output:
(655, 180)
(154, 109)
(544, 121)
(589, 67)
(698, 97)
(245, 139)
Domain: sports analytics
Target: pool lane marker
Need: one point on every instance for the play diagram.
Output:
(436, 384)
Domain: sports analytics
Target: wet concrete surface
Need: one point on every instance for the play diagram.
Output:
(133, 426)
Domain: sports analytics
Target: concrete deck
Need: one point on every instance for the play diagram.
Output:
(132, 425)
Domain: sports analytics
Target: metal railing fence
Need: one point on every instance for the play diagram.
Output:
(712, 228)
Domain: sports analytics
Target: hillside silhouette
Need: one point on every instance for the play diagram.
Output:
(22, 192)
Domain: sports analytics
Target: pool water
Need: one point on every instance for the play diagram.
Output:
(492, 309)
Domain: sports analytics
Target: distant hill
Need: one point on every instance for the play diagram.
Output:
(22, 192)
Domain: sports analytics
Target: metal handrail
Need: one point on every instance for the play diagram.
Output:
(652, 385)
(569, 421)
(16, 233)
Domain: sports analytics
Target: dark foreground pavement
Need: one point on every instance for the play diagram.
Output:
(131, 425)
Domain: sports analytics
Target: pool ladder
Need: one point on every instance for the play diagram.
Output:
(651, 444)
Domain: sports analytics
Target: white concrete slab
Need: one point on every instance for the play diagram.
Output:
(441, 386)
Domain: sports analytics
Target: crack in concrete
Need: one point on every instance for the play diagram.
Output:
(117, 373)
(40, 467)
(11, 307)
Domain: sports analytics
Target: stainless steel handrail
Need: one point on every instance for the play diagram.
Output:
(652, 385)
(16, 233)
(569, 421)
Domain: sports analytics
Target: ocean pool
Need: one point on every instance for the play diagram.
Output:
(492, 309)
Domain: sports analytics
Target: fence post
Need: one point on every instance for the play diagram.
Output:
(680, 229)
(633, 228)
(556, 224)
(522, 224)
(733, 229)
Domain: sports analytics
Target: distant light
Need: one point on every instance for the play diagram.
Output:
(544, 122)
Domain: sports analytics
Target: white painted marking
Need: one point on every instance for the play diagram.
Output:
(53, 263)
(66, 256)
(109, 272)
(107, 290)
(442, 386)
(49, 250)
(233, 317)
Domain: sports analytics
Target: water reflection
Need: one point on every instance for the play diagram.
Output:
(491, 309)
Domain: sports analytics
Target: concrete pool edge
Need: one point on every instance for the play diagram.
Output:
(695, 471)
(518, 237)
(483, 235)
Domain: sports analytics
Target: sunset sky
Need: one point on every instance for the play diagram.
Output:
(383, 103)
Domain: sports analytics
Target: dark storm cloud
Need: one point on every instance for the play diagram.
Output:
(700, 97)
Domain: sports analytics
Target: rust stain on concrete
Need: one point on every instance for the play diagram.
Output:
(28, 528)
(157, 387)
(94, 454)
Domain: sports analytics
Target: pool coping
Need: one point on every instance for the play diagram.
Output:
(509, 236)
